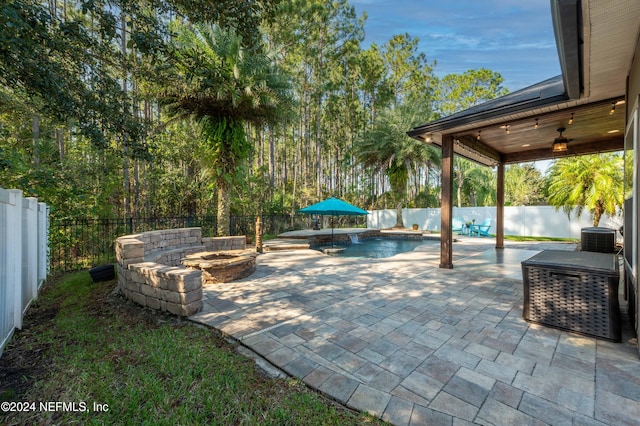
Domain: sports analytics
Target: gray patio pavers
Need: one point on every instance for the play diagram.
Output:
(414, 344)
(340, 387)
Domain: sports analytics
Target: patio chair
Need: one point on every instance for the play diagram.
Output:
(457, 225)
(482, 230)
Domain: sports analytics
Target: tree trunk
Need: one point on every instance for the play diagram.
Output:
(260, 139)
(336, 173)
(597, 214)
(126, 185)
(296, 168)
(399, 221)
(60, 140)
(136, 188)
(224, 208)
(150, 190)
(272, 159)
(125, 156)
(318, 163)
(285, 167)
(147, 166)
(319, 120)
(36, 138)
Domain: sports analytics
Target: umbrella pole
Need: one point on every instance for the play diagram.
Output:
(332, 225)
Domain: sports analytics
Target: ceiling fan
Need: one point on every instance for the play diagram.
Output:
(560, 143)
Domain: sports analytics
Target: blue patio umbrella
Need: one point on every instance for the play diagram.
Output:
(334, 207)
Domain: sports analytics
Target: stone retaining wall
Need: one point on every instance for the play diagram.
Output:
(150, 272)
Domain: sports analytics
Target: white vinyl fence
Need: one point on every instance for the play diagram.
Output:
(24, 229)
(533, 221)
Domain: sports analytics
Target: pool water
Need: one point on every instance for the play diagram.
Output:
(379, 248)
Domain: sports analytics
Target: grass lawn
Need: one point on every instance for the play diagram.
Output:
(83, 344)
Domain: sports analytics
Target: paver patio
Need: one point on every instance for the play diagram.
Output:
(415, 344)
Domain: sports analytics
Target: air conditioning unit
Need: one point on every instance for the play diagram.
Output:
(602, 240)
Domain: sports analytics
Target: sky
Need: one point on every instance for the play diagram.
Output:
(512, 37)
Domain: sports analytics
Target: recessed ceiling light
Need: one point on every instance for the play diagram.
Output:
(526, 145)
(613, 131)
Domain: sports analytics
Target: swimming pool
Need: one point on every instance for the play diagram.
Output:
(378, 248)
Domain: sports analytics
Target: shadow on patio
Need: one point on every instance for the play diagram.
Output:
(416, 344)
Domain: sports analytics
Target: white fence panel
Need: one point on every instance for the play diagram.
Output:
(537, 221)
(43, 242)
(424, 218)
(23, 257)
(7, 304)
(29, 252)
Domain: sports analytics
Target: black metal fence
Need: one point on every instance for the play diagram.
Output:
(77, 244)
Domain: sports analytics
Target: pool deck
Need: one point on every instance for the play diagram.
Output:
(418, 345)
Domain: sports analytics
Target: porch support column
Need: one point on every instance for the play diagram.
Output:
(500, 208)
(446, 208)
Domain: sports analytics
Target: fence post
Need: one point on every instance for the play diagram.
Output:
(14, 234)
(6, 297)
(43, 239)
(29, 251)
(10, 295)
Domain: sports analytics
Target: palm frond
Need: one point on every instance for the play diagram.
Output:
(217, 77)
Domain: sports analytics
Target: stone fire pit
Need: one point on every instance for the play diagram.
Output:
(222, 266)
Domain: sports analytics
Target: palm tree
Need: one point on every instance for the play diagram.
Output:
(224, 86)
(461, 170)
(594, 182)
(387, 148)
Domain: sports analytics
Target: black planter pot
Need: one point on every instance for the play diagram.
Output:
(102, 273)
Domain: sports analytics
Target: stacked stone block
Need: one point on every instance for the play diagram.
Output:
(150, 272)
(166, 288)
(225, 243)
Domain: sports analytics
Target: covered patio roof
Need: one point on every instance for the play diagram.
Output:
(522, 126)
(596, 43)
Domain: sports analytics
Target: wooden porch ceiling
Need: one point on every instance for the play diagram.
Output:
(593, 129)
